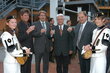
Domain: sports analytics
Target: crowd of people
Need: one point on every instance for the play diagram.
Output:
(56, 43)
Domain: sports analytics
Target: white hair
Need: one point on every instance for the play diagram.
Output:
(60, 15)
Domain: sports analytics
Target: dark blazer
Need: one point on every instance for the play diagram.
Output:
(24, 38)
(86, 37)
(42, 42)
(62, 43)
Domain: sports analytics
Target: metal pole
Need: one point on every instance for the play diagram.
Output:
(71, 10)
(63, 7)
(32, 12)
(78, 10)
(53, 10)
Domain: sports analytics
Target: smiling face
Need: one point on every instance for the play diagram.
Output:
(60, 20)
(99, 21)
(12, 23)
(25, 17)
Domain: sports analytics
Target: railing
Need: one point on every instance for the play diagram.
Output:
(25, 2)
(6, 4)
(32, 3)
(39, 3)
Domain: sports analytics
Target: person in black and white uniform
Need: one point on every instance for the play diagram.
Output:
(98, 59)
(12, 47)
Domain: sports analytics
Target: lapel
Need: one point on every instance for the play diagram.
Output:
(25, 25)
(47, 26)
(84, 30)
(63, 30)
(59, 30)
(77, 29)
(40, 25)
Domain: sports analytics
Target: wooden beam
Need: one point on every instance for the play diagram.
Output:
(104, 7)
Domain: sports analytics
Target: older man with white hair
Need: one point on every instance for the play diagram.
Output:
(62, 34)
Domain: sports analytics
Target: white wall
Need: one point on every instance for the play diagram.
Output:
(53, 11)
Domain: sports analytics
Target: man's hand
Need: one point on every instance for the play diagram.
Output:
(87, 47)
(28, 51)
(43, 30)
(69, 29)
(30, 29)
(70, 52)
(52, 32)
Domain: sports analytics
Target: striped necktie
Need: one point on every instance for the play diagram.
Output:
(43, 25)
(79, 34)
(61, 30)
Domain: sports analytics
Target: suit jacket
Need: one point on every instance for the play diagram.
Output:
(86, 37)
(62, 43)
(24, 38)
(42, 40)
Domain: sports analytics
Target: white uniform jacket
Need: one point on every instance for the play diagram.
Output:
(12, 47)
(102, 42)
(98, 59)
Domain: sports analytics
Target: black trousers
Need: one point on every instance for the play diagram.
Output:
(62, 64)
(84, 63)
(108, 60)
(26, 68)
(45, 57)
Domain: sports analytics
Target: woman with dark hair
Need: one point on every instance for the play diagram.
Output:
(25, 38)
(51, 54)
(12, 47)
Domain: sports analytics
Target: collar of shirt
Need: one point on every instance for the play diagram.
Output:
(62, 26)
(98, 28)
(42, 22)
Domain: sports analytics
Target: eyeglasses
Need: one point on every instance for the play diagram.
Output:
(42, 15)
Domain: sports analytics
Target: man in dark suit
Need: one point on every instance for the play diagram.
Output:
(62, 34)
(83, 36)
(42, 42)
(25, 38)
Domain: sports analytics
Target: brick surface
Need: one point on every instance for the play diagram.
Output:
(73, 67)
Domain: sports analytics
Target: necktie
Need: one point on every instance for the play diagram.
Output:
(61, 30)
(79, 34)
(43, 25)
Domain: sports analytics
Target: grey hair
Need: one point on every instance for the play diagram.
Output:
(83, 12)
(60, 15)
